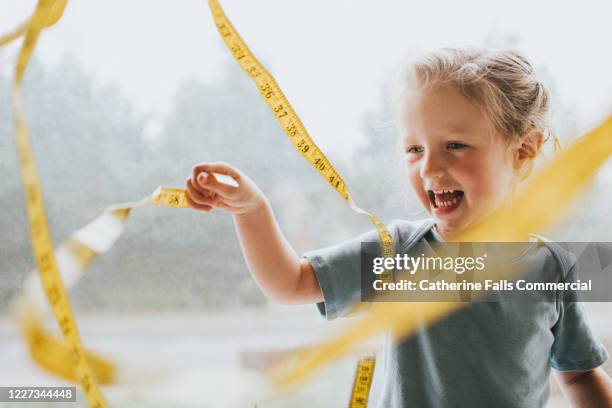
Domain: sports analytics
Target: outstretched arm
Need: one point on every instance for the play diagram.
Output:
(275, 266)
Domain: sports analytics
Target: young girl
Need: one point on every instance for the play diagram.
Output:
(473, 121)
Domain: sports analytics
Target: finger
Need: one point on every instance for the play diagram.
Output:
(212, 199)
(194, 182)
(197, 196)
(209, 182)
(217, 167)
(200, 207)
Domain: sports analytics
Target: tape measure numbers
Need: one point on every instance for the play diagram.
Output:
(364, 374)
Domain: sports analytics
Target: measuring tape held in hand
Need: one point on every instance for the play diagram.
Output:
(303, 143)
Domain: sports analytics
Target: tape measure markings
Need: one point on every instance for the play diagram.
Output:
(362, 382)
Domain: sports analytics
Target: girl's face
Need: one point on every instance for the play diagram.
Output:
(460, 170)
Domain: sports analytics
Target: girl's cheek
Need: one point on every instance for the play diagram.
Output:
(484, 181)
(475, 179)
(414, 173)
(417, 184)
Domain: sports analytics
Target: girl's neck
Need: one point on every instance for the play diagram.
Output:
(439, 233)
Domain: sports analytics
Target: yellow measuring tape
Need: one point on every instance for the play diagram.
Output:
(289, 120)
(364, 374)
(299, 136)
(40, 236)
(55, 13)
(69, 359)
(73, 257)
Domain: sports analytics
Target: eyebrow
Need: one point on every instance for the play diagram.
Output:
(459, 131)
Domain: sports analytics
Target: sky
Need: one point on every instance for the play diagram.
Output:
(329, 56)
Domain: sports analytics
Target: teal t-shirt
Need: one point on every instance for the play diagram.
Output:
(488, 354)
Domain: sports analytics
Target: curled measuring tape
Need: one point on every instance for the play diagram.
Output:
(40, 237)
(73, 257)
(67, 359)
(289, 120)
(301, 140)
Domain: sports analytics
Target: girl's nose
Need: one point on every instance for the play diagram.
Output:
(431, 167)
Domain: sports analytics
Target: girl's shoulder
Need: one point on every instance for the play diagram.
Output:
(558, 252)
(406, 232)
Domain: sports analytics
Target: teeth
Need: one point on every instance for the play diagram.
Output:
(447, 203)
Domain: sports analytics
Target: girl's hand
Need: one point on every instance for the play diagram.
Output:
(205, 192)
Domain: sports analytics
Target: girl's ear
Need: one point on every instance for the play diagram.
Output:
(529, 145)
(527, 149)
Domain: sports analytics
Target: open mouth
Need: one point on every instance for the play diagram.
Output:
(445, 199)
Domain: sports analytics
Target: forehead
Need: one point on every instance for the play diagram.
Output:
(442, 111)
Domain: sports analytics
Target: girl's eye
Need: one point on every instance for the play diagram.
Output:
(414, 149)
(455, 145)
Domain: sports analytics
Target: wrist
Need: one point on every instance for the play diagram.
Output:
(255, 212)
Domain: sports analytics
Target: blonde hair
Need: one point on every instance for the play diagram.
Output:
(502, 82)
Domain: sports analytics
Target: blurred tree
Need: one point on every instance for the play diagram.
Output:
(81, 135)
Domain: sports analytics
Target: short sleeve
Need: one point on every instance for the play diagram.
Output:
(575, 347)
(338, 271)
